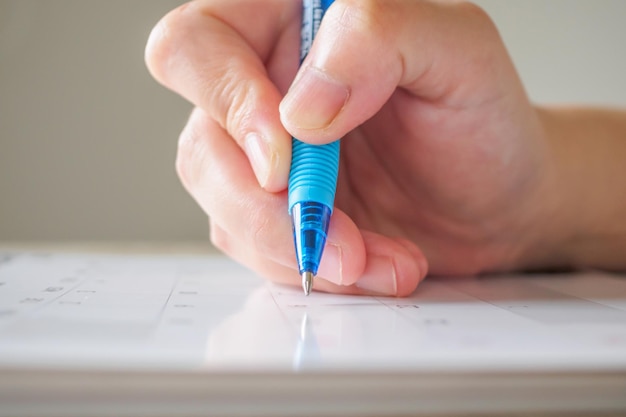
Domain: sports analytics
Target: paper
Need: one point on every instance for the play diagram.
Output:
(159, 335)
(195, 313)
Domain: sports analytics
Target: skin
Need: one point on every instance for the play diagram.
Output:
(446, 166)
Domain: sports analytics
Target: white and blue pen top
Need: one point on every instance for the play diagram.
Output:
(313, 175)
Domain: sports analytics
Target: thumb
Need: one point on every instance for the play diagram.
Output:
(364, 50)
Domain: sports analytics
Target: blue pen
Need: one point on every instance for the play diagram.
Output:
(313, 176)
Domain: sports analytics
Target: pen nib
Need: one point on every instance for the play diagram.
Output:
(307, 282)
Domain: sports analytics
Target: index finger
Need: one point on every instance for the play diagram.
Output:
(233, 59)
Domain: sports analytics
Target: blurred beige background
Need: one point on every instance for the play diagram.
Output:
(88, 140)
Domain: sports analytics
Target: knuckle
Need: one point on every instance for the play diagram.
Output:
(373, 21)
(488, 48)
(480, 18)
(183, 166)
(229, 97)
(362, 16)
(474, 10)
(190, 156)
(219, 238)
(163, 41)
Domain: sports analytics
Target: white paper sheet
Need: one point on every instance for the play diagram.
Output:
(207, 315)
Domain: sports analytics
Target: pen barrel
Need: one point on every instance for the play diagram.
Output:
(312, 13)
(313, 175)
(310, 222)
(314, 169)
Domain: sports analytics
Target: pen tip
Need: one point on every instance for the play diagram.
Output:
(307, 282)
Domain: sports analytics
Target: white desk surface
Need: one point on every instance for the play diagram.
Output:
(96, 333)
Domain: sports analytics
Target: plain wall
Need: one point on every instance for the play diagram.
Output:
(88, 139)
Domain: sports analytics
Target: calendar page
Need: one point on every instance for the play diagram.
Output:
(82, 326)
(179, 312)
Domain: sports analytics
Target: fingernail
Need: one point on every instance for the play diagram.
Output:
(261, 157)
(331, 266)
(379, 276)
(314, 100)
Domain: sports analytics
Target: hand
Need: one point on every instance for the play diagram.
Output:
(444, 162)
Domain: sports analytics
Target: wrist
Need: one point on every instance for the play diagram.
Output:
(545, 224)
(582, 196)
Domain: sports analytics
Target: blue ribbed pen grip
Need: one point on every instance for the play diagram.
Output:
(312, 183)
(313, 175)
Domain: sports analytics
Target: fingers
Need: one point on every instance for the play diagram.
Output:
(216, 173)
(391, 268)
(365, 49)
(235, 60)
(235, 67)
(214, 170)
(216, 57)
(252, 226)
(267, 268)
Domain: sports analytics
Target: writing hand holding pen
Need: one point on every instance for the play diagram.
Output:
(445, 164)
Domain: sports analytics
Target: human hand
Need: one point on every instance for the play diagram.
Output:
(443, 158)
